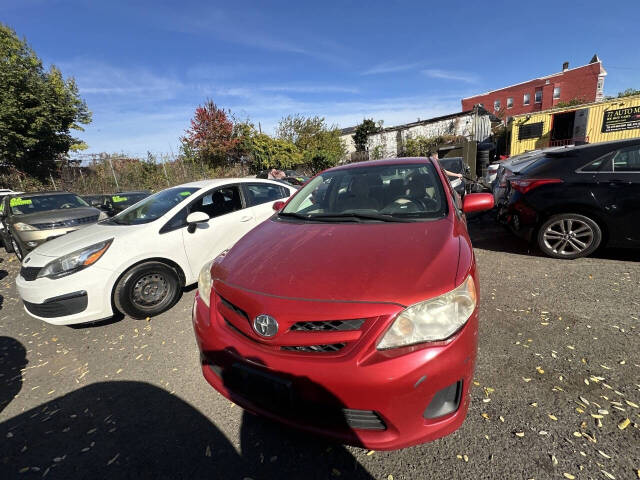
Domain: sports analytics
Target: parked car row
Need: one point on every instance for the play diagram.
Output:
(115, 203)
(572, 200)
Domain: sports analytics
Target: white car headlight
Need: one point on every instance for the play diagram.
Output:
(204, 282)
(23, 227)
(432, 320)
(75, 261)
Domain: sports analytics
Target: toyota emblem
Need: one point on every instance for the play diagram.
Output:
(265, 325)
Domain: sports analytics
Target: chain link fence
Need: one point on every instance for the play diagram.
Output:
(88, 173)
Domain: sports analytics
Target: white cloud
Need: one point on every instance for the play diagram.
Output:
(449, 75)
(390, 68)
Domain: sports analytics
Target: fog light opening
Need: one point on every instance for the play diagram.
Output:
(445, 401)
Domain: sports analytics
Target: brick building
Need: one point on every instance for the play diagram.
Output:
(585, 83)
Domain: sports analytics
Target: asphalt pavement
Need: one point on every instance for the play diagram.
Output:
(556, 391)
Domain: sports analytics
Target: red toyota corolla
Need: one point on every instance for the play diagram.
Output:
(353, 311)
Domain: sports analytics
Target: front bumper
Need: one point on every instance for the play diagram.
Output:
(81, 297)
(31, 239)
(397, 396)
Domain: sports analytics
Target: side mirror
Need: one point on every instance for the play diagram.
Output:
(194, 218)
(477, 202)
(279, 205)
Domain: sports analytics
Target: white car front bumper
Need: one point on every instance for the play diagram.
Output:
(84, 296)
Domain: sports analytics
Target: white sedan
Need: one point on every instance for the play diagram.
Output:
(138, 261)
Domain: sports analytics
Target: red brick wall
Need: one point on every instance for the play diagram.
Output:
(581, 82)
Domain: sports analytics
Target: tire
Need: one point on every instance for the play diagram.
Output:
(6, 243)
(15, 247)
(147, 289)
(569, 236)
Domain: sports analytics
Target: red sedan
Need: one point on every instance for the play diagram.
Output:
(353, 311)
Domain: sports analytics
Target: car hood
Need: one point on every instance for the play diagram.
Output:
(85, 237)
(401, 263)
(59, 215)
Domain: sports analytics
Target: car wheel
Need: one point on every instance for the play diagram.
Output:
(569, 236)
(147, 289)
(16, 249)
(7, 244)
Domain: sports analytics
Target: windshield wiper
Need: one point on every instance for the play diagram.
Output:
(336, 217)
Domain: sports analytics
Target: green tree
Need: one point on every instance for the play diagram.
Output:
(267, 153)
(320, 144)
(38, 109)
(366, 128)
(628, 92)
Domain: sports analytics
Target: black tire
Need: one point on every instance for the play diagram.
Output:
(147, 289)
(569, 236)
(7, 244)
(15, 247)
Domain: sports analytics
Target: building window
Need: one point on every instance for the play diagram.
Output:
(496, 105)
(509, 102)
(556, 93)
(538, 96)
(526, 99)
(531, 130)
(600, 84)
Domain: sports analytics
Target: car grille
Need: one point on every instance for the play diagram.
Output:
(333, 327)
(330, 325)
(333, 347)
(29, 273)
(363, 419)
(66, 223)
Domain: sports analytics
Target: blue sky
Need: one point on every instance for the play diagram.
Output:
(143, 66)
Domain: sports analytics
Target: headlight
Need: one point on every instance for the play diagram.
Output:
(75, 261)
(434, 319)
(23, 227)
(204, 282)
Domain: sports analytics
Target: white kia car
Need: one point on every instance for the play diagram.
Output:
(138, 261)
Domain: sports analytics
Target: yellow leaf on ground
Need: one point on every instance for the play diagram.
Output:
(624, 424)
(540, 370)
(553, 417)
(569, 476)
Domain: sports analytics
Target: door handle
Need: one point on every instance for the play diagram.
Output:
(246, 218)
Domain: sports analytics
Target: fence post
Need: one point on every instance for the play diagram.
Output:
(54, 183)
(114, 174)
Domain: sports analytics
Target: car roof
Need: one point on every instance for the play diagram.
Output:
(385, 162)
(223, 181)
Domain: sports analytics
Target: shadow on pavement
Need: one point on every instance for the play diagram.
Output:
(13, 358)
(135, 430)
(3, 274)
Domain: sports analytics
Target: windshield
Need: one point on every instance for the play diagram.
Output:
(24, 205)
(126, 199)
(152, 207)
(372, 193)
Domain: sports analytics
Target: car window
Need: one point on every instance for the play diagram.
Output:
(412, 191)
(627, 160)
(153, 207)
(602, 164)
(219, 202)
(259, 193)
(453, 164)
(24, 205)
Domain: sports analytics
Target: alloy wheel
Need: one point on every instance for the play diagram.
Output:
(568, 236)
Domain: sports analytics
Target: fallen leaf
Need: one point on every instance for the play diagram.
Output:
(569, 476)
(540, 370)
(207, 452)
(553, 417)
(466, 458)
(577, 434)
(624, 424)
(520, 434)
(371, 452)
(604, 454)
(113, 459)
(631, 404)
(527, 380)
(608, 475)
(485, 416)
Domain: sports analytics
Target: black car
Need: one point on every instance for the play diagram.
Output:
(580, 198)
(96, 201)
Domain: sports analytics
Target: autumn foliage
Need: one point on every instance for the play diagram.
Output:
(210, 138)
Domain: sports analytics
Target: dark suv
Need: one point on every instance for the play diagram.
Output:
(572, 201)
(31, 219)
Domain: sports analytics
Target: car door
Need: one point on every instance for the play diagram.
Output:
(618, 192)
(261, 196)
(229, 220)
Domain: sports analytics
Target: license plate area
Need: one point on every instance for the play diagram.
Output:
(262, 388)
